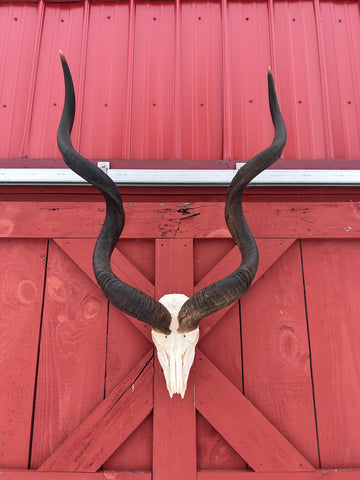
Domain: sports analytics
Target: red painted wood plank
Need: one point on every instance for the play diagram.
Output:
(125, 346)
(316, 475)
(174, 454)
(90, 445)
(255, 439)
(209, 475)
(269, 251)
(72, 354)
(81, 250)
(22, 266)
(277, 375)
(103, 475)
(288, 219)
(213, 452)
(332, 279)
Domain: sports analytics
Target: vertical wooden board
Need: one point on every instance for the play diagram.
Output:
(152, 132)
(201, 82)
(103, 114)
(222, 345)
(22, 270)
(277, 376)
(332, 279)
(72, 354)
(174, 447)
(126, 345)
(251, 126)
(212, 451)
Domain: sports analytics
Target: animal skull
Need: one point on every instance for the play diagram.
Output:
(176, 351)
(175, 318)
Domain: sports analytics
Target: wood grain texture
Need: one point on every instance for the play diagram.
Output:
(22, 267)
(222, 345)
(124, 348)
(277, 374)
(98, 436)
(210, 475)
(277, 219)
(174, 454)
(72, 354)
(81, 250)
(316, 475)
(332, 279)
(254, 438)
(105, 475)
(269, 251)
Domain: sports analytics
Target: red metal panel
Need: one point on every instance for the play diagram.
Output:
(18, 35)
(341, 27)
(181, 79)
(299, 78)
(201, 88)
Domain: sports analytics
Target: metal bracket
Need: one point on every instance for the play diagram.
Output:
(239, 165)
(104, 166)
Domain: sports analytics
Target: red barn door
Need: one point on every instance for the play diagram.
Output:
(86, 392)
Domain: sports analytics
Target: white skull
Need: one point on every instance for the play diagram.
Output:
(176, 351)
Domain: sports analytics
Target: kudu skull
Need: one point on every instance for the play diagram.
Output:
(174, 318)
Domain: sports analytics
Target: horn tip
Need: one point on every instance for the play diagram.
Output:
(62, 56)
(269, 71)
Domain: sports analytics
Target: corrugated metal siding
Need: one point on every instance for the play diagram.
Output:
(167, 80)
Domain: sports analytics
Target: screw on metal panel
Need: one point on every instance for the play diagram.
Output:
(199, 18)
(340, 20)
(349, 102)
(15, 19)
(108, 17)
(300, 101)
(154, 18)
(294, 19)
(251, 100)
(247, 19)
(104, 166)
(62, 20)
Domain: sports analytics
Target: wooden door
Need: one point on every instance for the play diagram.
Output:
(84, 390)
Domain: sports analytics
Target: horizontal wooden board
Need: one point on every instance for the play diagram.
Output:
(316, 475)
(105, 475)
(206, 475)
(179, 220)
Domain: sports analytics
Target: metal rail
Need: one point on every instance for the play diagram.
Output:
(175, 178)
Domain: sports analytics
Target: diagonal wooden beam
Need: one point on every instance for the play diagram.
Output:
(109, 425)
(270, 249)
(80, 251)
(253, 437)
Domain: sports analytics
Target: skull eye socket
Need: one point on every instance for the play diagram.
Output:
(166, 336)
(184, 336)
